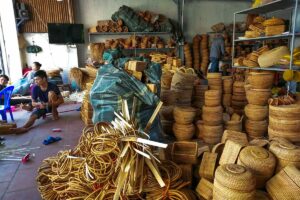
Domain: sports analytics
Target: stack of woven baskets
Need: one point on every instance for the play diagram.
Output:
(86, 112)
(214, 81)
(239, 100)
(284, 121)
(183, 127)
(198, 96)
(257, 110)
(183, 83)
(188, 56)
(196, 51)
(168, 97)
(204, 53)
(227, 91)
(212, 116)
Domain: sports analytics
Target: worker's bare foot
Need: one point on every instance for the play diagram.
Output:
(18, 130)
(26, 107)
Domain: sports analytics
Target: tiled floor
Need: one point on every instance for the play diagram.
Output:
(17, 181)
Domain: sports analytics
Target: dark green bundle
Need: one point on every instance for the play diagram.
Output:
(33, 49)
(132, 20)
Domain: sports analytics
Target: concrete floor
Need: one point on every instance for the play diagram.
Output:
(17, 180)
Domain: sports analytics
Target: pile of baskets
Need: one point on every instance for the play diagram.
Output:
(188, 56)
(214, 81)
(238, 100)
(183, 128)
(196, 51)
(198, 96)
(227, 91)
(204, 53)
(284, 121)
(212, 116)
(257, 110)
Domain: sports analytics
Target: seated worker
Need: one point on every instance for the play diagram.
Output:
(46, 98)
(3, 81)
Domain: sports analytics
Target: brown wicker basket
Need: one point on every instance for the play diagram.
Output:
(233, 182)
(183, 79)
(239, 97)
(256, 113)
(285, 185)
(286, 112)
(185, 152)
(256, 129)
(214, 75)
(227, 85)
(259, 161)
(205, 189)
(183, 131)
(166, 113)
(259, 142)
(258, 96)
(208, 165)
(166, 80)
(212, 115)
(167, 126)
(213, 98)
(234, 125)
(184, 115)
(285, 125)
(212, 134)
(230, 152)
(226, 101)
(235, 136)
(286, 153)
(289, 135)
(199, 131)
(261, 80)
(168, 97)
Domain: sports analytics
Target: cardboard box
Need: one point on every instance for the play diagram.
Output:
(138, 66)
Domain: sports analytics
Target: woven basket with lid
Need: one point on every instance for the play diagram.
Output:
(255, 112)
(233, 182)
(286, 184)
(259, 161)
(286, 153)
(184, 115)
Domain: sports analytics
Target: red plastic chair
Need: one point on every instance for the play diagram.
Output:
(5, 95)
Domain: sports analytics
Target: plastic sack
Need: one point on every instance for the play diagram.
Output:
(22, 87)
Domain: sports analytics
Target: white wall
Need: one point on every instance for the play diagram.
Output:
(53, 56)
(9, 42)
(199, 15)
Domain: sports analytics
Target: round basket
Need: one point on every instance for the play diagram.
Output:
(259, 161)
(214, 75)
(234, 125)
(289, 135)
(166, 113)
(213, 98)
(183, 131)
(238, 97)
(227, 86)
(235, 177)
(238, 84)
(256, 113)
(214, 81)
(286, 153)
(256, 129)
(182, 79)
(226, 101)
(184, 115)
(238, 90)
(166, 79)
(285, 125)
(212, 134)
(261, 80)
(167, 127)
(285, 185)
(168, 97)
(258, 96)
(184, 97)
(286, 112)
(212, 115)
(239, 103)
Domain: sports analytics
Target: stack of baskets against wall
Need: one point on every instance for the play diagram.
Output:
(258, 93)
(86, 112)
(204, 53)
(238, 100)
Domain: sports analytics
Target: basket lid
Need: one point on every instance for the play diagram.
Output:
(285, 150)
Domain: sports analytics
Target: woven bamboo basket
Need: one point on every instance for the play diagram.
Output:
(166, 80)
(289, 135)
(261, 195)
(166, 113)
(208, 166)
(285, 125)
(184, 115)
(183, 79)
(213, 98)
(205, 189)
(212, 115)
(238, 97)
(238, 103)
(169, 97)
(183, 131)
(234, 125)
(212, 134)
(259, 161)
(239, 90)
(230, 153)
(185, 152)
(233, 182)
(167, 126)
(226, 101)
(235, 136)
(286, 112)
(259, 142)
(256, 113)
(285, 185)
(227, 86)
(261, 80)
(199, 131)
(214, 75)
(286, 154)
(238, 84)
(183, 97)
(258, 96)
(215, 87)
(256, 129)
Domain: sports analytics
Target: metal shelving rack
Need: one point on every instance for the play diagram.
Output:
(276, 5)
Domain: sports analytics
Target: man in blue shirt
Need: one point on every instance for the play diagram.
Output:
(217, 50)
(46, 98)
